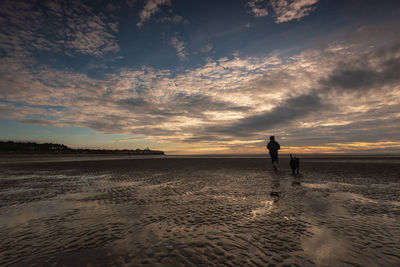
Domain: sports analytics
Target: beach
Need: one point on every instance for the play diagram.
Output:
(188, 211)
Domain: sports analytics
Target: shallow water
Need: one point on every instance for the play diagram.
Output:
(199, 212)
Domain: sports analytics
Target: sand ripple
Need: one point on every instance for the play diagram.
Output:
(198, 212)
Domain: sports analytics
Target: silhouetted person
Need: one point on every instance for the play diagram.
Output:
(273, 148)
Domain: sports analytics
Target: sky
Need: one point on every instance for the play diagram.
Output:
(202, 77)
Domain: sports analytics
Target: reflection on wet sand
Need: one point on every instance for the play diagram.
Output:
(275, 190)
(325, 248)
(265, 207)
(195, 212)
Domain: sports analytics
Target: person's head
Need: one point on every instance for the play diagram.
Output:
(272, 138)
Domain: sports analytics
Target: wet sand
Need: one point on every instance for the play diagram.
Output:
(200, 212)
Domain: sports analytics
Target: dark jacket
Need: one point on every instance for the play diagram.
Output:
(273, 147)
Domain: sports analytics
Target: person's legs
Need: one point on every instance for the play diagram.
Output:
(274, 159)
(275, 164)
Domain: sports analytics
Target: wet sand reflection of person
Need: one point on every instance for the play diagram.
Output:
(275, 184)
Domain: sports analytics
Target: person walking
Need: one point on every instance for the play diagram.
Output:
(273, 148)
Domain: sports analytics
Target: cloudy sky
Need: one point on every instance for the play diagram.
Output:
(191, 77)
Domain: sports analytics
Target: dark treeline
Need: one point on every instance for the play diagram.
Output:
(32, 147)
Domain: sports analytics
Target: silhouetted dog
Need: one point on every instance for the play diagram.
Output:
(294, 164)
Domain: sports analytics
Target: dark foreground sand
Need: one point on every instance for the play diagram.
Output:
(204, 212)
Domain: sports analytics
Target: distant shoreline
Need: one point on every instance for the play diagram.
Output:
(45, 155)
(33, 148)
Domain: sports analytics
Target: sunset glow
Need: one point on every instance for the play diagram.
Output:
(193, 77)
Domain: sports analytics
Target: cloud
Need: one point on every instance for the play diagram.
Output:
(179, 46)
(69, 27)
(367, 129)
(287, 10)
(283, 10)
(291, 109)
(334, 95)
(258, 7)
(195, 106)
(150, 8)
(228, 104)
(367, 73)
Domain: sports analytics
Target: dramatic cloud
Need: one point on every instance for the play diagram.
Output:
(293, 108)
(283, 10)
(367, 73)
(338, 96)
(150, 8)
(68, 27)
(226, 104)
(287, 10)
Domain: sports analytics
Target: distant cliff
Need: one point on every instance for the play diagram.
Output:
(11, 147)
